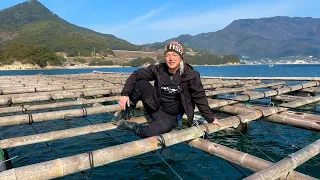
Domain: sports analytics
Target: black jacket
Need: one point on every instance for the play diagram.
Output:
(192, 89)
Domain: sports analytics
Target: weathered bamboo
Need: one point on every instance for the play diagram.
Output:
(13, 142)
(15, 90)
(49, 85)
(52, 105)
(80, 101)
(258, 95)
(313, 89)
(312, 117)
(21, 81)
(213, 103)
(243, 159)
(268, 78)
(12, 120)
(68, 165)
(67, 133)
(280, 118)
(36, 138)
(223, 84)
(295, 122)
(287, 98)
(48, 116)
(36, 97)
(224, 91)
(286, 165)
(19, 141)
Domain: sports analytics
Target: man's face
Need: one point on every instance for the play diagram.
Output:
(173, 59)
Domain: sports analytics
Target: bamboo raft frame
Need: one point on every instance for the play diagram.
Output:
(26, 95)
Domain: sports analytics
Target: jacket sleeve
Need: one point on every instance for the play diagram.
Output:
(199, 97)
(147, 74)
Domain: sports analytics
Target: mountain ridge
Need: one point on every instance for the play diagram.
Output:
(21, 19)
(260, 37)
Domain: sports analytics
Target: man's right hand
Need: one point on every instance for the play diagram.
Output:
(123, 101)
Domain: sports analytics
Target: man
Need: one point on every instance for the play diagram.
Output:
(177, 89)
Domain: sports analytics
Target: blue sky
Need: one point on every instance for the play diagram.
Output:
(141, 21)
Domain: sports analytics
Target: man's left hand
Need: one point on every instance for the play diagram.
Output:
(216, 122)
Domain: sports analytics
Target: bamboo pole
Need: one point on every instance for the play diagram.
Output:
(258, 95)
(33, 89)
(313, 89)
(54, 115)
(269, 114)
(27, 97)
(312, 117)
(36, 97)
(286, 165)
(220, 84)
(268, 78)
(213, 103)
(172, 139)
(19, 141)
(80, 101)
(287, 98)
(295, 122)
(242, 159)
(224, 91)
(49, 85)
(61, 134)
(18, 119)
(68, 165)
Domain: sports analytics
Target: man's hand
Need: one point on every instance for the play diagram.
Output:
(123, 101)
(216, 122)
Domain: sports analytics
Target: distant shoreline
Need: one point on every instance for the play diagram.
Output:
(22, 68)
(8, 68)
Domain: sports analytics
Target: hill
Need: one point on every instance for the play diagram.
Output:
(266, 37)
(32, 24)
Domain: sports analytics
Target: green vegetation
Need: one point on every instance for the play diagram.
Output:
(139, 62)
(206, 58)
(35, 26)
(29, 54)
(31, 33)
(98, 62)
(80, 60)
(60, 38)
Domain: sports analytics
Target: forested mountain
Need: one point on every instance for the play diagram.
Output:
(266, 37)
(32, 24)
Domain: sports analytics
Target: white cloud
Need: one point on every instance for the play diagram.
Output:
(218, 19)
(145, 29)
(121, 27)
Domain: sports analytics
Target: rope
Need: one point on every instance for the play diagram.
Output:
(9, 102)
(291, 144)
(35, 130)
(84, 112)
(91, 166)
(256, 146)
(30, 119)
(206, 132)
(155, 151)
(206, 136)
(169, 166)
(162, 143)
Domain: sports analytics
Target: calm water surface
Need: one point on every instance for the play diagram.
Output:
(271, 141)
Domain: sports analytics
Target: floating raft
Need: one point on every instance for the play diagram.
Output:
(40, 98)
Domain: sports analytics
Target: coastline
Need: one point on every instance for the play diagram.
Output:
(23, 67)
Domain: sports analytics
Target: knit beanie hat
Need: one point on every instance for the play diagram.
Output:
(174, 46)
